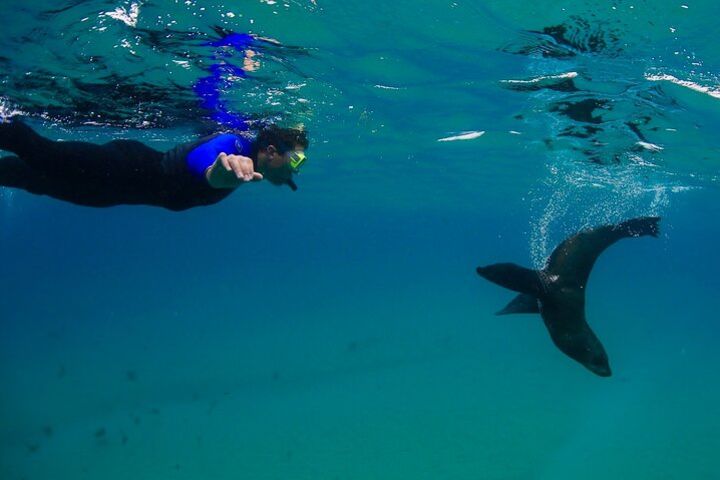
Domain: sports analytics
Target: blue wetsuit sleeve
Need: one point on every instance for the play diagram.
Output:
(204, 155)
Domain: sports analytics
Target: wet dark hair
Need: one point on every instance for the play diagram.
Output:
(284, 139)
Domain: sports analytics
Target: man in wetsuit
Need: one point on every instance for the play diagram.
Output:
(129, 172)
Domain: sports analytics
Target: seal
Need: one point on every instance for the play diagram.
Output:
(557, 292)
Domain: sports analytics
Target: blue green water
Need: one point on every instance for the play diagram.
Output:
(340, 332)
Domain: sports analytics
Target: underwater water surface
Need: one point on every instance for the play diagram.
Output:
(340, 331)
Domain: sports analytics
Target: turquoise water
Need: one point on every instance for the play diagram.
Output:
(340, 332)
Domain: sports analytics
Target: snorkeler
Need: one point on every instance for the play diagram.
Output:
(193, 174)
(123, 172)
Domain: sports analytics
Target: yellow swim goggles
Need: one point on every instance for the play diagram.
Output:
(296, 160)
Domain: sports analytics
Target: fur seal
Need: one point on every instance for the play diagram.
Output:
(557, 292)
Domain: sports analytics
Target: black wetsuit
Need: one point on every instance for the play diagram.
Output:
(115, 173)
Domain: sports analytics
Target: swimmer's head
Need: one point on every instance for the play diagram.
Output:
(281, 152)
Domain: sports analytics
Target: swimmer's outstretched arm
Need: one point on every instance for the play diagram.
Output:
(230, 171)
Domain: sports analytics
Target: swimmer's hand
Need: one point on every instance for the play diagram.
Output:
(230, 171)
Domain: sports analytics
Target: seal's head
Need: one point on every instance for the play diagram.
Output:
(585, 348)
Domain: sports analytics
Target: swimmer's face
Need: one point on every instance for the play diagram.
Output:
(277, 165)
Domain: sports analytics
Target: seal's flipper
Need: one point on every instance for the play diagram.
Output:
(514, 277)
(638, 227)
(523, 303)
(572, 260)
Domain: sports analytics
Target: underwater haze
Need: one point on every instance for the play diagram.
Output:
(341, 332)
